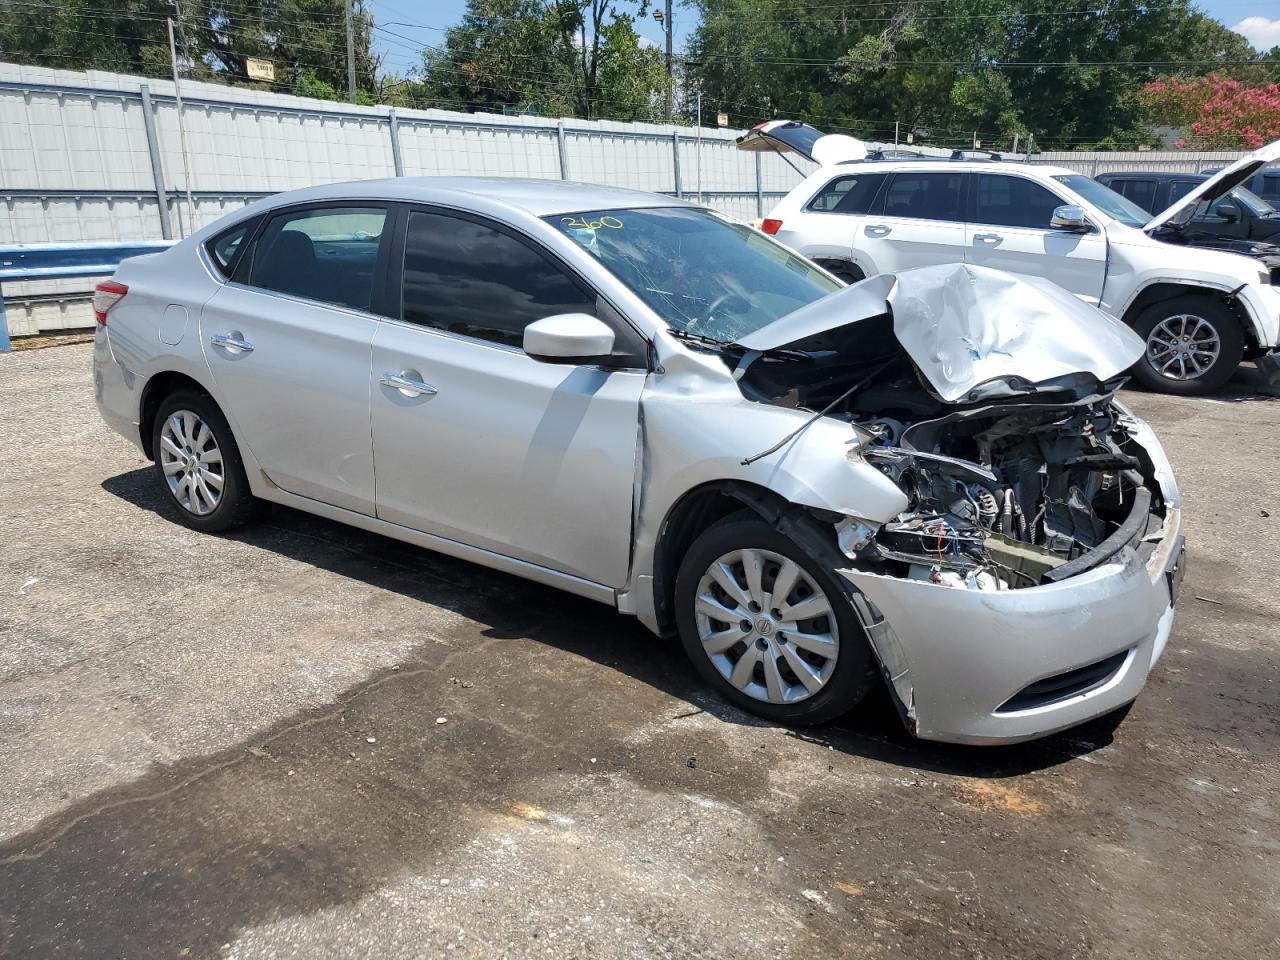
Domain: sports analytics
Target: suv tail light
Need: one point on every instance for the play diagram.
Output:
(770, 226)
(105, 296)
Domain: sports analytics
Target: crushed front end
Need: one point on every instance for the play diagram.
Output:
(1028, 586)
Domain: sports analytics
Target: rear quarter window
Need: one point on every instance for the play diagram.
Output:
(848, 194)
(226, 248)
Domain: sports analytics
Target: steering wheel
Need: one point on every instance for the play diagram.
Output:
(716, 304)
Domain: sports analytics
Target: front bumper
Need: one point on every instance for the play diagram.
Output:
(956, 658)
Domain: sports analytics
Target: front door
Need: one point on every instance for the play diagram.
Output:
(486, 445)
(288, 341)
(918, 222)
(1010, 231)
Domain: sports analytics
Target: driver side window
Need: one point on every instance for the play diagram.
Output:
(469, 278)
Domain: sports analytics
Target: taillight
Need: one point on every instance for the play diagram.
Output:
(770, 226)
(105, 296)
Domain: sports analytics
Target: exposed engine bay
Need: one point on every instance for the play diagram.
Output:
(1014, 485)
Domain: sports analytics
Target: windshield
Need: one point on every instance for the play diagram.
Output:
(702, 274)
(1105, 199)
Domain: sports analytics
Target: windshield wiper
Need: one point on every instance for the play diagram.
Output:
(696, 338)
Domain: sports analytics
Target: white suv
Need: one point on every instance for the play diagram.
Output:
(1200, 311)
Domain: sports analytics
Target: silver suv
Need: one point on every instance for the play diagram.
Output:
(925, 479)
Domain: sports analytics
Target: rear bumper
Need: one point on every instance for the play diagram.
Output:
(114, 390)
(1068, 652)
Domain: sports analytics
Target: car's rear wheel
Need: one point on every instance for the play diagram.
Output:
(1193, 345)
(768, 627)
(198, 463)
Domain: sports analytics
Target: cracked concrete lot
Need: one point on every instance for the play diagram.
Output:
(306, 741)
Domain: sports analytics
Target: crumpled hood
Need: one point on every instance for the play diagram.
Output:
(965, 325)
(1219, 185)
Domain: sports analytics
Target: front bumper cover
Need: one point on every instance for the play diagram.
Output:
(955, 657)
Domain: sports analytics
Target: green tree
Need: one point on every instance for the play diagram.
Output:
(555, 57)
(304, 39)
(1069, 72)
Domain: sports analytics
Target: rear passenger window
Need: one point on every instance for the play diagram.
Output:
(469, 278)
(1179, 189)
(848, 194)
(926, 196)
(325, 253)
(1014, 202)
(1141, 192)
(1270, 187)
(226, 246)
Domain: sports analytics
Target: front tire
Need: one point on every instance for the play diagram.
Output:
(198, 463)
(1193, 345)
(768, 627)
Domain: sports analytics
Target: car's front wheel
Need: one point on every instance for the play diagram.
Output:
(198, 463)
(768, 626)
(1193, 345)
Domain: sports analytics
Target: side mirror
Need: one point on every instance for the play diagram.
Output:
(1070, 217)
(1228, 212)
(568, 338)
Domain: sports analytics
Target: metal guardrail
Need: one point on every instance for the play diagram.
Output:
(60, 261)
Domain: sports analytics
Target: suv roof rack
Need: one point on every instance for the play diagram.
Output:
(961, 154)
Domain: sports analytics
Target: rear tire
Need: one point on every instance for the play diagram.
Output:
(755, 656)
(1193, 345)
(198, 463)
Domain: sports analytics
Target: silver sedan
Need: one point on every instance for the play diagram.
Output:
(924, 481)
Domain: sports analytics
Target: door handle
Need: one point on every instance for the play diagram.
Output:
(233, 341)
(988, 237)
(408, 383)
(876, 230)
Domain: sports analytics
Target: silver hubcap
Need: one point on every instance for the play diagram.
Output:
(766, 626)
(1183, 347)
(192, 463)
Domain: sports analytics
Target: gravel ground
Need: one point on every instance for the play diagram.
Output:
(306, 741)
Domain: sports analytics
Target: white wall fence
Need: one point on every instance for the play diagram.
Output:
(1093, 163)
(95, 156)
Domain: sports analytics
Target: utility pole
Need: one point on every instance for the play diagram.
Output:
(182, 123)
(665, 20)
(895, 133)
(698, 148)
(351, 52)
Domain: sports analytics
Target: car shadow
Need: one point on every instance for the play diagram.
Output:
(593, 631)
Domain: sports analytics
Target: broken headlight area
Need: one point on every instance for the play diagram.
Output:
(1030, 485)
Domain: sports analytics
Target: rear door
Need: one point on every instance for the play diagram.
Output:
(834, 217)
(1010, 231)
(1142, 191)
(288, 339)
(918, 221)
(497, 450)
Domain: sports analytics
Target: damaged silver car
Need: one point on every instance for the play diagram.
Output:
(924, 479)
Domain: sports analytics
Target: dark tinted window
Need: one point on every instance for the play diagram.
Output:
(1270, 185)
(1179, 189)
(225, 246)
(470, 278)
(326, 254)
(1014, 202)
(848, 194)
(926, 196)
(1141, 192)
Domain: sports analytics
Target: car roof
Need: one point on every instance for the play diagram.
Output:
(936, 164)
(537, 197)
(1162, 175)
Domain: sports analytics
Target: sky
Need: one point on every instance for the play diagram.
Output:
(421, 22)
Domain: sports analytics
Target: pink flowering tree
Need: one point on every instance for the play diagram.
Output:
(1216, 113)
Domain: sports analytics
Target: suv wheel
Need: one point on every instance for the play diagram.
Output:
(768, 627)
(198, 463)
(1194, 344)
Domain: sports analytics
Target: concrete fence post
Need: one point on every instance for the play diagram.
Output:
(675, 162)
(157, 169)
(759, 186)
(560, 146)
(396, 161)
